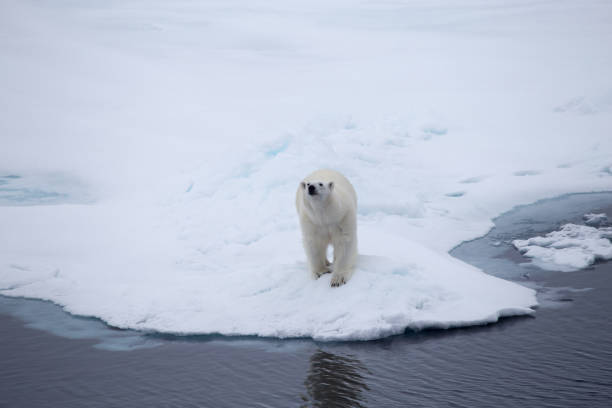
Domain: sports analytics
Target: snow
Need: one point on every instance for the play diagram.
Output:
(571, 248)
(151, 152)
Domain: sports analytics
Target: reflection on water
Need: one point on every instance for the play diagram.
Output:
(335, 381)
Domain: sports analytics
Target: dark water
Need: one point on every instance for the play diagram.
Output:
(561, 357)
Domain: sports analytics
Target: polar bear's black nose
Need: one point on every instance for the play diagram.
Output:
(312, 190)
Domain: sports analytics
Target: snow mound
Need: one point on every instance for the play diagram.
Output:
(571, 248)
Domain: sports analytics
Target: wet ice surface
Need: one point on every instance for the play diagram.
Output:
(559, 357)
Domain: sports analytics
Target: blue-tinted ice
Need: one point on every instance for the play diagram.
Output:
(46, 189)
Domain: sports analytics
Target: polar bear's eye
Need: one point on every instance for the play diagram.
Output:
(320, 184)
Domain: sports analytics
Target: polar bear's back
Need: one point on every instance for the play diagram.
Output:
(341, 183)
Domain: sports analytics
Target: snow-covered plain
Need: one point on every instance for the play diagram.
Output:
(166, 139)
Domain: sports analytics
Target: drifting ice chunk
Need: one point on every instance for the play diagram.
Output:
(569, 249)
(595, 220)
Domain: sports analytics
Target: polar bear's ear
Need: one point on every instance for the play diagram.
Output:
(331, 185)
(303, 185)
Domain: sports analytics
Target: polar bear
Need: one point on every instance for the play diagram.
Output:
(327, 206)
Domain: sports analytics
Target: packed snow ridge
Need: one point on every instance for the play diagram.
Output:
(571, 248)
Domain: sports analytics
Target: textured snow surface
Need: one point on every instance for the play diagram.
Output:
(571, 248)
(150, 152)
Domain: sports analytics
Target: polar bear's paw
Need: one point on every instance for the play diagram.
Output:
(337, 280)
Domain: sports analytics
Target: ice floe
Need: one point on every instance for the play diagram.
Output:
(571, 248)
(595, 220)
(147, 174)
(396, 287)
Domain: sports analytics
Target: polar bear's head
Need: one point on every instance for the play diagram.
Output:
(317, 190)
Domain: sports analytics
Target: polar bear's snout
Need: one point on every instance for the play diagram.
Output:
(318, 189)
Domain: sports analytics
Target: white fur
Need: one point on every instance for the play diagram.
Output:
(328, 217)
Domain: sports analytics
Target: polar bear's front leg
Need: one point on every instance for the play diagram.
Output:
(345, 252)
(316, 251)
